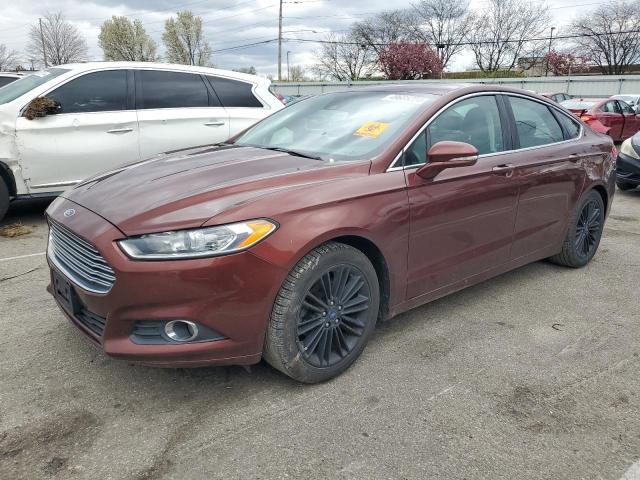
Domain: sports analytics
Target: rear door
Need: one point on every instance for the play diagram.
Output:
(610, 115)
(96, 129)
(461, 220)
(549, 171)
(177, 110)
(240, 100)
(631, 121)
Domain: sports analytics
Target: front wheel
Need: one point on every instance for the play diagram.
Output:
(585, 231)
(324, 314)
(4, 199)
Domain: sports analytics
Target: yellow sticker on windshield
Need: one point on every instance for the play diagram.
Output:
(371, 129)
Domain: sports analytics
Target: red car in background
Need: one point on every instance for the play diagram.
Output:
(605, 115)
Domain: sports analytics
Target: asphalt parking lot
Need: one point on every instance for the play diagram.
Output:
(534, 374)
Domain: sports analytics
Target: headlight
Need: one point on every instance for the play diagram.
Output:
(201, 242)
(627, 149)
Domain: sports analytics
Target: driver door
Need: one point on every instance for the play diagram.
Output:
(96, 129)
(462, 220)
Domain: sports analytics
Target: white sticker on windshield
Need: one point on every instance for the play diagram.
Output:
(413, 99)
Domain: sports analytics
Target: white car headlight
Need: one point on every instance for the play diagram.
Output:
(627, 149)
(198, 243)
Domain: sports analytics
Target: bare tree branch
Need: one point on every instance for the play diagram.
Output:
(8, 58)
(505, 31)
(343, 58)
(63, 42)
(603, 39)
(443, 23)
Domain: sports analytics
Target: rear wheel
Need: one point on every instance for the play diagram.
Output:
(585, 231)
(625, 186)
(4, 199)
(324, 314)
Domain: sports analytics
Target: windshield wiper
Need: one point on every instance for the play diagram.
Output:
(293, 152)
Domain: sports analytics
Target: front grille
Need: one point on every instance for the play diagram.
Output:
(79, 260)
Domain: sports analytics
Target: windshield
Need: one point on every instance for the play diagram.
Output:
(577, 105)
(18, 88)
(338, 126)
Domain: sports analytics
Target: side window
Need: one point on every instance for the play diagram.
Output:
(234, 93)
(535, 124)
(160, 89)
(6, 81)
(475, 121)
(571, 126)
(626, 108)
(416, 154)
(609, 107)
(94, 92)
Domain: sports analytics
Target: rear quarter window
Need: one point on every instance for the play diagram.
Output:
(234, 93)
(571, 127)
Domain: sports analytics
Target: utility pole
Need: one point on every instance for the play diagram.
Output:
(280, 43)
(44, 52)
(288, 77)
(546, 71)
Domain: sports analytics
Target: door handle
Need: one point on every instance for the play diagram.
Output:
(505, 169)
(217, 123)
(120, 130)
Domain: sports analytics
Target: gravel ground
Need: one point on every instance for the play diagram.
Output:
(533, 374)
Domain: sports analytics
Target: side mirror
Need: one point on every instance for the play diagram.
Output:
(41, 107)
(445, 155)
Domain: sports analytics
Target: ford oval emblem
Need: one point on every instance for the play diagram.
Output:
(69, 212)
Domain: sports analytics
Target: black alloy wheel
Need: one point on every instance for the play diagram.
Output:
(588, 228)
(324, 313)
(583, 233)
(333, 315)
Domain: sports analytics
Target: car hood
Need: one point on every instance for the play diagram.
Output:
(187, 188)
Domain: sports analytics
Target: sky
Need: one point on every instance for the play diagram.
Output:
(229, 24)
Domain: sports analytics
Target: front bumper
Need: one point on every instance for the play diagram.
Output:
(232, 295)
(628, 169)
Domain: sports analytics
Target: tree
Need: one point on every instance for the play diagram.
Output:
(609, 37)
(506, 30)
(63, 42)
(443, 24)
(184, 40)
(409, 61)
(566, 63)
(8, 58)
(296, 74)
(343, 58)
(120, 39)
(383, 28)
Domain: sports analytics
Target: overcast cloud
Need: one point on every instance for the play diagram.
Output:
(229, 24)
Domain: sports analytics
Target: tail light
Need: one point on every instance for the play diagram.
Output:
(586, 117)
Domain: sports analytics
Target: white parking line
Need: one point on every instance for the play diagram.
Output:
(21, 256)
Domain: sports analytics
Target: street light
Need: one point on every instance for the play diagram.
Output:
(546, 71)
(288, 78)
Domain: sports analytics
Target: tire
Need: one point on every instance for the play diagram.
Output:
(625, 186)
(311, 346)
(584, 233)
(4, 199)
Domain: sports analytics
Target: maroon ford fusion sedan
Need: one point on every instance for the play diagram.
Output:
(292, 239)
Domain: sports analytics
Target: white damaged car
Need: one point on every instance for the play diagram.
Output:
(64, 124)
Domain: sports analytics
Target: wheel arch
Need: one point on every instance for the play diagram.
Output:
(603, 194)
(7, 176)
(377, 259)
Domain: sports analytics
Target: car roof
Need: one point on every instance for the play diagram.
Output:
(88, 66)
(10, 74)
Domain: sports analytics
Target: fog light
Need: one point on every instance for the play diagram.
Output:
(181, 330)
